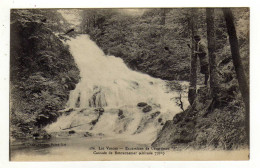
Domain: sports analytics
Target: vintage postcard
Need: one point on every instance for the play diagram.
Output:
(111, 84)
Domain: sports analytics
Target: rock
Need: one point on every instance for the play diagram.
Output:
(134, 85)
(72, 132)
(36, 134)
(177, 118)
(41, 136)
(42, 115)
(63, 37)
(71, 86)
(142, 104)
(46, 136)
(120, 114)
(69, 31)
(159, 120)
(67, 113)
(155, 114)
(88, 134)
(121, 117)
(66, 110)
(147, 109)
(94, 122)
(100, 110)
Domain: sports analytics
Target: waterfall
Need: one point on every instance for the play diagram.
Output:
(106, 82)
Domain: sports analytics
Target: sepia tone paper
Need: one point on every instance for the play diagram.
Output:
(102, 85)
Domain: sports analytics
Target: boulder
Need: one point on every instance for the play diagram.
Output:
(147, 109)
(72, 132)
(142, 104)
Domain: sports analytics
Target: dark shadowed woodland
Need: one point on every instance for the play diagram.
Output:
(158, 42)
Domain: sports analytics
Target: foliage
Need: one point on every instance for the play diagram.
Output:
(142, 41)
(42, 70)
(207, 123)
(148, 45)
(154, 42)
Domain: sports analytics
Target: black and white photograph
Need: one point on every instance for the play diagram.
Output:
(126, 84)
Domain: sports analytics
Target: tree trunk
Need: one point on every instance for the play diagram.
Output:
(163, 16)
(162, 22)
(211, 37)
(193, 62)
(243, 83)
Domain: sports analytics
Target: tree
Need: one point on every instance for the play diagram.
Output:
(211, 37)
(163, 16)
(193, 62)
(242, 81)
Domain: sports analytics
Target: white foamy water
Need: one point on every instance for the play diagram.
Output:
(106, 82)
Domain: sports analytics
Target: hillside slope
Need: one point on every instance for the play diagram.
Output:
(42, 70)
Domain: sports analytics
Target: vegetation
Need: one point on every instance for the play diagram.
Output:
(42, 70)
(218, 117)
(242, 80)
(154, 41)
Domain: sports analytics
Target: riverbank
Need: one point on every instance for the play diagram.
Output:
(42, 71)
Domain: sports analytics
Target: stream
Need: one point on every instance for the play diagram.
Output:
(112, 106)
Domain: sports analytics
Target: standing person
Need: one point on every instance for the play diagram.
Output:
(200, 50)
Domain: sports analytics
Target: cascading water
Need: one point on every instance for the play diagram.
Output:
(111, 99)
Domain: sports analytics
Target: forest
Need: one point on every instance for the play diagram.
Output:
(158, 42)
